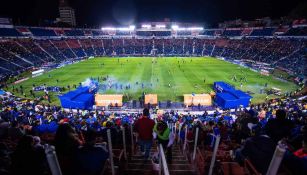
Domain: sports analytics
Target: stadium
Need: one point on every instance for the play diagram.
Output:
(152, 97)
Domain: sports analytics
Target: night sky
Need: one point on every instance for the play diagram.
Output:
(96, 13)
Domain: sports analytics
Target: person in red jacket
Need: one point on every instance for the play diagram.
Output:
(144, 127)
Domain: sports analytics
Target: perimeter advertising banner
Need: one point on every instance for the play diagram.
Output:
(108, 99)
(151, 98)
(195, 99)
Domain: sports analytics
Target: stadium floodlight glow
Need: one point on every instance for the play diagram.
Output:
(108, 28)
(195, 28)
(131, 27)
(175, 27)
(146, 26)
(123, 29)
(182, 29)
(160, 26)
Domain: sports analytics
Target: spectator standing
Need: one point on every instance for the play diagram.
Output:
(90, 158)
(280, 127)
(144, 127)
(25, 156)
(66, 145)
(163, 133)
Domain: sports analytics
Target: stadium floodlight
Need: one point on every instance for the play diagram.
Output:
(123, 29)
(131, 27)
(175, 27)
(181, 29)
(195, 28)
(108, 28)
(160, 26)
(146, 26)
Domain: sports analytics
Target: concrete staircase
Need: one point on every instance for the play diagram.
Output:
(180, 165)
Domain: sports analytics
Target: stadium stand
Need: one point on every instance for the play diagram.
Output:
(9, 32)
(75, 47)
(120, 33)
(246, 31)
(50, 49)
(209, 32)
(232, 32)
(184, 33)
(87, 47)
(99, 33)
(64, 48)
(263, 32)
(98, 47)
(42, 32)
(273, 51)
(153, 33)
(297, 31)
(73, 32)
(261, 126)
(278, 52)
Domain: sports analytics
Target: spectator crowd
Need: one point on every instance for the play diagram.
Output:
(78, 136)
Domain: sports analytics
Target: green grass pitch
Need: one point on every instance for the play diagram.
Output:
(185, 75)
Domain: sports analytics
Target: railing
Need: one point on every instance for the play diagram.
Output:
(185, 138)
(132, 140)
(124, 142)
(216, 145)
(110, 151)
(52, 160)
(195, 144)
(162, 161)
(276, 160)
(55, 166)
(249, 168)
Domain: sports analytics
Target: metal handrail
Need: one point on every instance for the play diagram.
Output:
(185, 138)
(276, 159)
(162, 161)
(195, 143)
(110, 151)
(216, 145)
(132, 141)
(124, 142)
(52, 160)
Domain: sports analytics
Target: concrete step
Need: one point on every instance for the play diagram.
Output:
(179, 167)
(151, 172)
(148, 166)
(138, 166)
(139, 172)
(179, 159)
(182, 172)
(184, 161)
(176, 157)
(152, 152)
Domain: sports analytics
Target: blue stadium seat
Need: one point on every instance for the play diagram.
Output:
(9, 32)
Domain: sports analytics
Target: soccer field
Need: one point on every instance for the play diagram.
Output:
(170, 78)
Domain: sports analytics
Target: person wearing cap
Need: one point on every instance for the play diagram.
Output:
(144, 127)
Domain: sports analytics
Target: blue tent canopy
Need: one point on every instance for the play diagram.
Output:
(220, 86)
(226, 100)
(228, 97)
(2, 92)
(80, 98)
